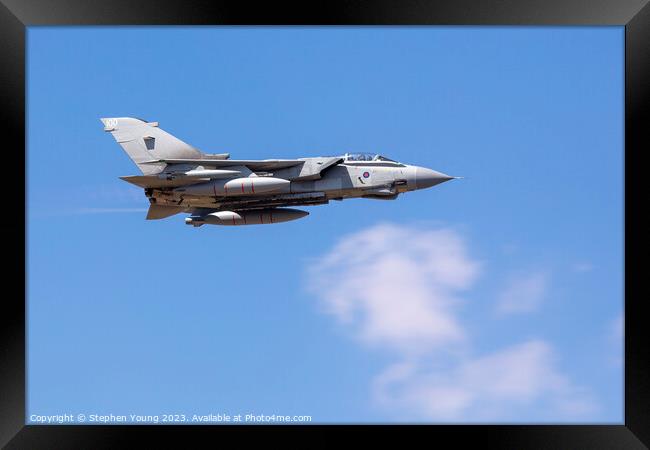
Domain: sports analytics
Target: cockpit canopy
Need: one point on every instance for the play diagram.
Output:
(365, 157)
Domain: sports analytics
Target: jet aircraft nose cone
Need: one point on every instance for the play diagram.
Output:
(425, 178)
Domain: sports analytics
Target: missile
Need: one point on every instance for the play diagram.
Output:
(237, 186)
(249, 217)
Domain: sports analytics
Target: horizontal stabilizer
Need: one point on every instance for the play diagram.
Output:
(160, 212)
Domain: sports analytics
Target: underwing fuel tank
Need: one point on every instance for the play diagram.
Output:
(238, 186)
(250, 217)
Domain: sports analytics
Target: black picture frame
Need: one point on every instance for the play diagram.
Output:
(16, 15)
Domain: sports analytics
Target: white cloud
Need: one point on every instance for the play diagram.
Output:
(400, 288)
(503, 385)
(396, 286)
(523, 293)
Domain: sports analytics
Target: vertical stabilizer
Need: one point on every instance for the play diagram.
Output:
(145, 141)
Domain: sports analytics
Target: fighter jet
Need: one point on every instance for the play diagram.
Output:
(217, 190)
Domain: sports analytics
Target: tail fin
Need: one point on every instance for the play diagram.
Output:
(144, 141)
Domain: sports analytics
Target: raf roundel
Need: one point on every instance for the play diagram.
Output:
(366, 174)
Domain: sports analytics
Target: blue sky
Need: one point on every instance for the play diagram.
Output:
(495, 298)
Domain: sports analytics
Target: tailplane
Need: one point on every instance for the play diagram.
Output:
(160, 212)
(145, 141)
